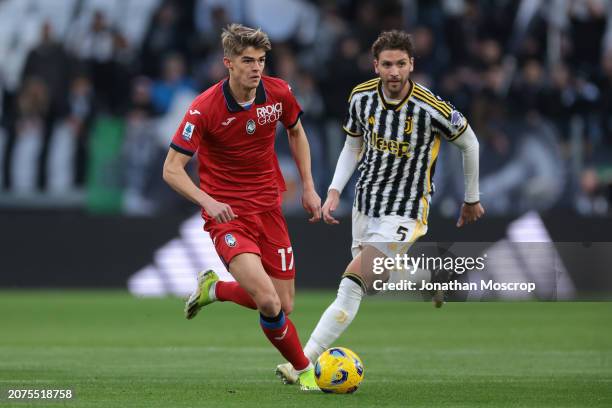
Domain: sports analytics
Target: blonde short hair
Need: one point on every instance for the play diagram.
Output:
(236, 38)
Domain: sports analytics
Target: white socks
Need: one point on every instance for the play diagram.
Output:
(212, 294)
(336, 319)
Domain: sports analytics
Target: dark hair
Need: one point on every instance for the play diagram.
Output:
(393, 40)
(236, 38)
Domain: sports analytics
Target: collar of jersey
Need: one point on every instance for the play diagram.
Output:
(398, 106)
(233, 106)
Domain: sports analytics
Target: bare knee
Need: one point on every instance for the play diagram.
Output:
(362, 269)
(287, 306)
(268, 303)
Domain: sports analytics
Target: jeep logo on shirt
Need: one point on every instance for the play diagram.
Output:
(396, 148)
(269, 113)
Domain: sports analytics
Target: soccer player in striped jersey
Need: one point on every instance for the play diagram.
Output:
(394, 130)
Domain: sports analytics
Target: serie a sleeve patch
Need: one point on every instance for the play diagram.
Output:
(188, 131)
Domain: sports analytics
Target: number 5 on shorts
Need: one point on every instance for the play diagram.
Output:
(402, 232)
(283, 254)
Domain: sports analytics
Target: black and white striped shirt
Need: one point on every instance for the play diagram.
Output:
(401, 145)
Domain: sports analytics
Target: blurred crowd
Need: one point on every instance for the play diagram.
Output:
(93, 90)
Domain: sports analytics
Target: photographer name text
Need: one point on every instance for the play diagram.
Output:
(407, 285)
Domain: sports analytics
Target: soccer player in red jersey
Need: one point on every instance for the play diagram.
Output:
(231, 128)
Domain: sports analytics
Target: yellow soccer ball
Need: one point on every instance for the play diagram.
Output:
(338, 370)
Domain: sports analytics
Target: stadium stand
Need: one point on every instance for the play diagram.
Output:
(535, 82)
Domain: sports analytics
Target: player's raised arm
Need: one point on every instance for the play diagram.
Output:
(471, 209)
(300, 149)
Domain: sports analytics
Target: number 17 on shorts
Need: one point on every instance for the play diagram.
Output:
(286, 258)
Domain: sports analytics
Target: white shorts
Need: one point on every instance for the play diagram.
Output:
(390, 234)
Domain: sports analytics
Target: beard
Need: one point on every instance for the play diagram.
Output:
(395, 87)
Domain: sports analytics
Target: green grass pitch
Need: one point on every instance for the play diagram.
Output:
(117, 351)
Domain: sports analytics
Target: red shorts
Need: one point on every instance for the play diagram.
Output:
(264, 234)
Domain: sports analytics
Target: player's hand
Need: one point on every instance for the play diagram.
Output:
(221, 212)
(312, 204)
(470, 213)
(331, 203)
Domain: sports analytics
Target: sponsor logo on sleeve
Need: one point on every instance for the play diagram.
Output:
(188, 130)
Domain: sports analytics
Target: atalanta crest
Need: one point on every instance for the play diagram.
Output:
(250, 126)
(230, 241)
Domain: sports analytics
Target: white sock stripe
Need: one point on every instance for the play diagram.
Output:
(212, 291)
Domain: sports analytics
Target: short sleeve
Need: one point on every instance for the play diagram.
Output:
(291, 108)
(452, 125)
(187, 137)
(351, 124)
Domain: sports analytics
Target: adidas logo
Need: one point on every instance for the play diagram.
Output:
(176, 265)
